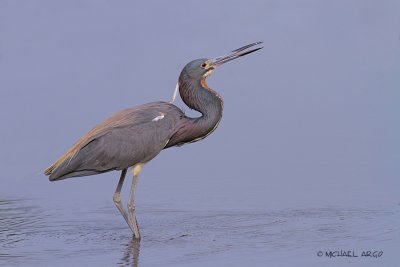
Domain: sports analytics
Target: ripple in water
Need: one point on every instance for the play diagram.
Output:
(32, 236)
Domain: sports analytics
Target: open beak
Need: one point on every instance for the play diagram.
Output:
(245, 50)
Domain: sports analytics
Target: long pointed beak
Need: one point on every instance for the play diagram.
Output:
(245, 50)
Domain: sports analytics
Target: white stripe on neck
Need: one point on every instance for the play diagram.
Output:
(175, 93)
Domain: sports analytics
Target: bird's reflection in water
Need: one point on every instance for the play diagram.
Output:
(131, 254)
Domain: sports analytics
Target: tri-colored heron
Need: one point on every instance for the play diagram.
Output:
(132, 137)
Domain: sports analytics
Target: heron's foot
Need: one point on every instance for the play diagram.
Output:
(129, 216)
(132, 220)
(136, 230)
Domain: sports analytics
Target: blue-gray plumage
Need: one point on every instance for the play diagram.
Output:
(132, 137)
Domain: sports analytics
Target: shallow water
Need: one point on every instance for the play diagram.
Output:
(97, 236)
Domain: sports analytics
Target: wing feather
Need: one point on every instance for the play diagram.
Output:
(126, 119)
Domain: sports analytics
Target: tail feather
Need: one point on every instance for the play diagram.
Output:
(75, 166)
(57, 170)
(67, 163)
(49, 170)
(53, 177)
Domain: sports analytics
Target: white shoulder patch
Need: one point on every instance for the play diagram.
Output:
(162, 115)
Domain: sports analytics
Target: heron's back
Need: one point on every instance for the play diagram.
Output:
(131, 136)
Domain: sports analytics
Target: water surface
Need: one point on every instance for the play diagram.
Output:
(97, 236)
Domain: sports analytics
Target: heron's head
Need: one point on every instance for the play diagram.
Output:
(200, 69)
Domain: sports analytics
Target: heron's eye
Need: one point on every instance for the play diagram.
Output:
(203, 65)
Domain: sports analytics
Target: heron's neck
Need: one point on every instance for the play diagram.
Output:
(198, 96)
